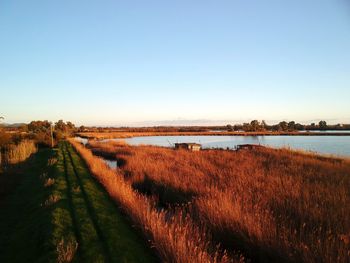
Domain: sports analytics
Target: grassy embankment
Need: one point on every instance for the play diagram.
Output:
(52, 210)
(271, 205)
(126, 134)
(102, 233)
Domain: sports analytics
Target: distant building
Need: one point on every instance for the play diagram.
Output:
(188, 146)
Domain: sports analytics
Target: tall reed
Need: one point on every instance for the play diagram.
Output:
(176, 238)
(15, 153)
(272, 205)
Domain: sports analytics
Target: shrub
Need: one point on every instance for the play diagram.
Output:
(15, 153)
(49, 182)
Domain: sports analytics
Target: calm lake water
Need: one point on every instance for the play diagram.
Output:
(111, 163)
(328, 131)
(335, 145)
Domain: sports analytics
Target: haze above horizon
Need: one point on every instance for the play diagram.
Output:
(130, 62)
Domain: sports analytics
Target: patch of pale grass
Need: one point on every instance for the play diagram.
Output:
(51, 200)
(49, 182)
(66, 250)
(52, 161)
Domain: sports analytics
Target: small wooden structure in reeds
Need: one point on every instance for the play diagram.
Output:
(188, 146)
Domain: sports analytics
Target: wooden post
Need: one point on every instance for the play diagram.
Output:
(1, 118)
(51, 136)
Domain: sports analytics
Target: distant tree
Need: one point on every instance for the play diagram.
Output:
(61, 126)
(345, 126)
(70, 125)
(39, 126)
(254, 125)
(291, 126)
(237, 127)
(299, 127)
(81, 128)
(263, 125)
(1, 118)
(40, 131)
(229, 127)
(246, 127)
(338, 126)
(283, 126)
(322, 125)
(63, 129)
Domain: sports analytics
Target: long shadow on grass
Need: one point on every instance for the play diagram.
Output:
(91, 211)
(240, 242)
(167, 196)
(132, 243)
(70, 203)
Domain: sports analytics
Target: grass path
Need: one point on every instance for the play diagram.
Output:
(86, 236)
(102, 232)
(51, 203)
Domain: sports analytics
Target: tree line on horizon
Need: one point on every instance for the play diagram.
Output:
(253, 126)
(42, 132)
(256, 125)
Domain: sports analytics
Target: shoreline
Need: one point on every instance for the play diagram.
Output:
(121, 135)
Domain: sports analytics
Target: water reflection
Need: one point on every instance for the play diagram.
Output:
(84, 141)
(113, 164)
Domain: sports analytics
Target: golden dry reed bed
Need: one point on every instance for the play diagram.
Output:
(177, 239)
(270, 205)
(15, 153)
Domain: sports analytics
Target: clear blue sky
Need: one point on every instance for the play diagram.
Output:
(117, 62)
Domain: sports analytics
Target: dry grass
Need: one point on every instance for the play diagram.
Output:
(52, 161)
(177, 239)
(15, 153)
(49, 182)
(51, 200)
(43, 176)
(271, 205)
(66, 250)
(76, 189)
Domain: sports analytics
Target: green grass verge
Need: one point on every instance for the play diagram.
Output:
(63, 218)
(53, 210)
(118, 240)
(89, 244)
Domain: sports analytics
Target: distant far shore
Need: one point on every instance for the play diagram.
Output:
(127, 134)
